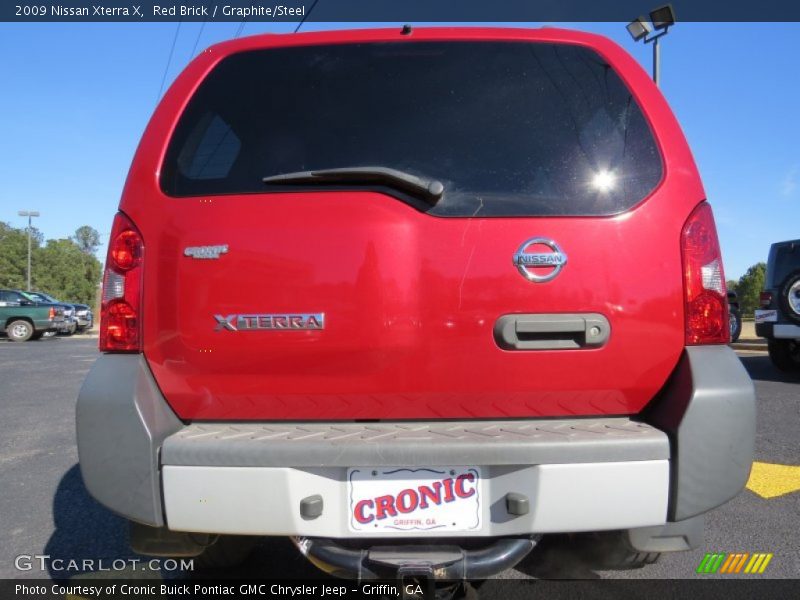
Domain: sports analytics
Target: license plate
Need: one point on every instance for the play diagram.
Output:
(766, 316)
(390, 500)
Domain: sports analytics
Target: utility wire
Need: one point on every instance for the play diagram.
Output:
(197, 39)
(241, 28)
(305, 16)
(169, 60)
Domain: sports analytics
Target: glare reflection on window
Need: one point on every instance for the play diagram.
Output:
(604, 181)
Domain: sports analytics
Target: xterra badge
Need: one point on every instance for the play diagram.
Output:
(274, 322)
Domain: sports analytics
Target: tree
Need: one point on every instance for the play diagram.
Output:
(88, 239)
(13, 256)
(731, 285)
(60, 267)
(750, 286)
(65, 271)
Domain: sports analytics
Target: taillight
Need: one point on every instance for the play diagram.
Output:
(706, 300)
(120, 316)
(765, 299)
(52, 313)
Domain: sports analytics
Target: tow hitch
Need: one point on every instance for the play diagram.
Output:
(423, 565)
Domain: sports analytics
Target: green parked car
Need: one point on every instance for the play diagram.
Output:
(24, 319)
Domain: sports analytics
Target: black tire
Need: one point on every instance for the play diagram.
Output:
(582, 555)
(608, 551)
(19, 330)
(636, 560)
(735, 323)
(72, 329)
(785, 354)
(227, 551)
(789, 296)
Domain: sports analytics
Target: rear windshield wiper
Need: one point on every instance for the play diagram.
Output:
(429, 190)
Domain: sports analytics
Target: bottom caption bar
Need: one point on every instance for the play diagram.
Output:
(409, 588)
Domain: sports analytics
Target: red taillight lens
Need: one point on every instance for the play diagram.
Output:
(52, 313)
(121, 328)
(126, 251)
(120, 317)
(765, 299)
(705, 295)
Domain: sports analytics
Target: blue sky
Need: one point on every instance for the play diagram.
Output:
(76, 97)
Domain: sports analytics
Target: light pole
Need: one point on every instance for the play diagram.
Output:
(661, 19)
(30, 214)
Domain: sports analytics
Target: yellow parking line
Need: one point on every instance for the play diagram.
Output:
(770, 480)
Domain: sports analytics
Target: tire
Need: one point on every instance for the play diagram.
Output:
(228, 551)
(68, 332)
(636, 560)
(785, 354)
(610, 552)
(789, 296)
(735, 323)
(607, 551)
(19, 331)
(37, 335)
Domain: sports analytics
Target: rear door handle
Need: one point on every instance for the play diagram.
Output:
(552, 331)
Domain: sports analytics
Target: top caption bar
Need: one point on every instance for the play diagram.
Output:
(413, 11)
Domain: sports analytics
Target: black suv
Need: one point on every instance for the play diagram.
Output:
(778, 319)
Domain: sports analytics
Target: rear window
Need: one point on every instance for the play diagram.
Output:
(509, 128)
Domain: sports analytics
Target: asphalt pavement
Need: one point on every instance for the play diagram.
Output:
(45, 509)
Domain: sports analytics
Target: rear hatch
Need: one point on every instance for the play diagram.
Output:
(314, 298)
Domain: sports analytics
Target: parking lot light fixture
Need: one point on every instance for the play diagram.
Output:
(639, 28)
(30, 214)
(661, 19)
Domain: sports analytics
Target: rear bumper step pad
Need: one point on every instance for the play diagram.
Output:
(414, 443)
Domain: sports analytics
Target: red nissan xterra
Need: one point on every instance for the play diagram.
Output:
(414, 299)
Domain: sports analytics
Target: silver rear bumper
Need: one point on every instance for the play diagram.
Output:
(577, 474)
(689, 452)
